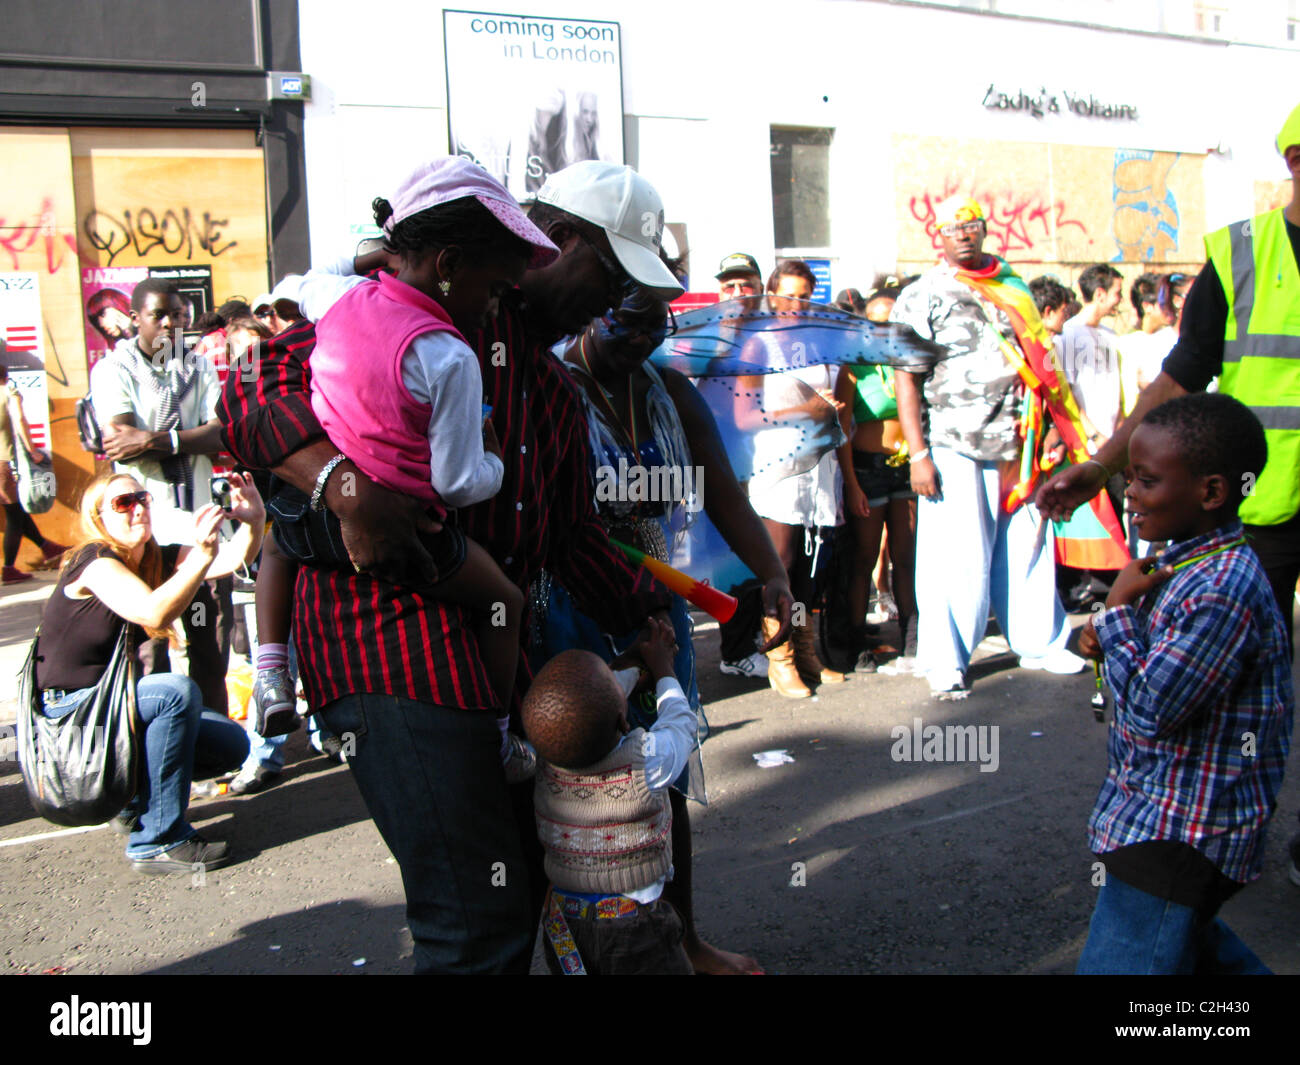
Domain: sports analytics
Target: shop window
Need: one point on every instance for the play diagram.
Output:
(801, 187)
(1210, 19)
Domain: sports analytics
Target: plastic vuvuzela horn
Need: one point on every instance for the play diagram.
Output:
(718, 604)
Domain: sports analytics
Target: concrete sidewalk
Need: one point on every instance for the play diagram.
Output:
(21, 606)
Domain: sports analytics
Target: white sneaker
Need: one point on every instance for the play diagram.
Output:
(948, 685)
(902, 666)
(755, 667)
(1062, 661)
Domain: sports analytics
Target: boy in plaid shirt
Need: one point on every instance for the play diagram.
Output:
(1196, 654)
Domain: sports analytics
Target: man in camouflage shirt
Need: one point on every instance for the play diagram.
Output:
(960, 421)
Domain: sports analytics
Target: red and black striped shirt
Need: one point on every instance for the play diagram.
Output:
(357, 634)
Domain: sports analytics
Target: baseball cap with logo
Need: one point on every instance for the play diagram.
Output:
(738, 263)
(627, 207)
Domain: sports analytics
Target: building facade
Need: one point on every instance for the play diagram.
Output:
(829, 132)
(135, 140)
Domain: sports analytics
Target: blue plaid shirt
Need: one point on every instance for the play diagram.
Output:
(1201, 673)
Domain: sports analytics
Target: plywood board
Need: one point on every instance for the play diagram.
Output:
(38, 227)
(1054, 204)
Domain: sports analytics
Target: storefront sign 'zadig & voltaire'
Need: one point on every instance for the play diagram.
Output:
(1045, 103)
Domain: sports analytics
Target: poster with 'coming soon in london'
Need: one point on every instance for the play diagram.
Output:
(527, 96)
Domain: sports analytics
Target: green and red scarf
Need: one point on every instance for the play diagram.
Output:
(1092, 538)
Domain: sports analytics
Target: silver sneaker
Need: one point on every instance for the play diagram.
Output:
(521, 761)
(274, 702)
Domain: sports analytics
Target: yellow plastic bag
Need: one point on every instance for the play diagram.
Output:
(239, 688)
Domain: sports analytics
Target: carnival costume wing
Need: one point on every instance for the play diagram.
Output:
(744, 356)
(732, 351)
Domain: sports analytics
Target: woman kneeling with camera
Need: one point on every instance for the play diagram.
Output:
(121, 576)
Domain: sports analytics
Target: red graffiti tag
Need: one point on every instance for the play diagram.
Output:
(18, 238)
(1017, 222)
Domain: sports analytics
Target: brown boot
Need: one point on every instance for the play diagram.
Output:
(781, 673)
(805, 657)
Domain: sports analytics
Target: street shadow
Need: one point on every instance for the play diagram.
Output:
(327, 939)
(733, 726)
(312, 795)
(851, 860)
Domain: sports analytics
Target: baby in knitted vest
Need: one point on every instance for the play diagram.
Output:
(603, 814)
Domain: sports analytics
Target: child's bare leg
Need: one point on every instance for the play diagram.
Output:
(705, 958)
(498, 606)
(276, 576)
(273, 689)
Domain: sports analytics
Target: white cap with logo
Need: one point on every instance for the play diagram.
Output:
(627, 207)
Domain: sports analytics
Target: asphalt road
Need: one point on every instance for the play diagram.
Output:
(844, 860)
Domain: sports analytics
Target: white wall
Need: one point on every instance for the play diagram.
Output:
(704, 81)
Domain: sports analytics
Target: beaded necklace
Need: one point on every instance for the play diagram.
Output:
(604, 396)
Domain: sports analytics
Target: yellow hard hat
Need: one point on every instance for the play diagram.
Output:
(1290, 131)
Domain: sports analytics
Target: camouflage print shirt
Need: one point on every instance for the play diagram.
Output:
(973, 396)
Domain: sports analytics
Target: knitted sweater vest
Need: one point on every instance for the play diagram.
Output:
(357, 391)
(604, 831)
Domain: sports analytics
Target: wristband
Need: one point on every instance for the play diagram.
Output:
(176, 442)
(924, 453)
(318, 494)
(1098, 462)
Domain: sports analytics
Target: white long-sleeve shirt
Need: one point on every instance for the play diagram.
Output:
(666, 746)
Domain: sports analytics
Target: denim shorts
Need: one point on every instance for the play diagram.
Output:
(879, 481)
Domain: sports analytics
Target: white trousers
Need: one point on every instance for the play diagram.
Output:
(970, 553)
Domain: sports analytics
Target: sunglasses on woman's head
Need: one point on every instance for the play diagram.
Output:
(128, 501)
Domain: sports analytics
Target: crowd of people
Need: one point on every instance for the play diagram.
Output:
(424, 429)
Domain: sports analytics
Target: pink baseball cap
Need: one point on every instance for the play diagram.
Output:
(453, 177)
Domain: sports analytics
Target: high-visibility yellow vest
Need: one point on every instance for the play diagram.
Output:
(1261, 351)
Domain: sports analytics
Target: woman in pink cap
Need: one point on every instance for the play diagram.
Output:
(399, 392)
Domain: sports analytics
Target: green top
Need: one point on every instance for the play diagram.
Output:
(873, 399)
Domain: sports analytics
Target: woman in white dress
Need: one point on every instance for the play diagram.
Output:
(793, 508)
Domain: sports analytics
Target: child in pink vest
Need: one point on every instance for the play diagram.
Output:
(399, 392)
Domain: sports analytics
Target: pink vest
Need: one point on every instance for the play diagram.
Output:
(357, 391)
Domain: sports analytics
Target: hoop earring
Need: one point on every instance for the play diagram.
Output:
(444, 287)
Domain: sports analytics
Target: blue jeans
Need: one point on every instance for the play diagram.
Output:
(431, 778)
(179, 735)
(1136, 933)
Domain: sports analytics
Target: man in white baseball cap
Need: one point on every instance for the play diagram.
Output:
(606, 221)
(625, 225)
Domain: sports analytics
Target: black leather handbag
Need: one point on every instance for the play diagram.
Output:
(81, 768)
